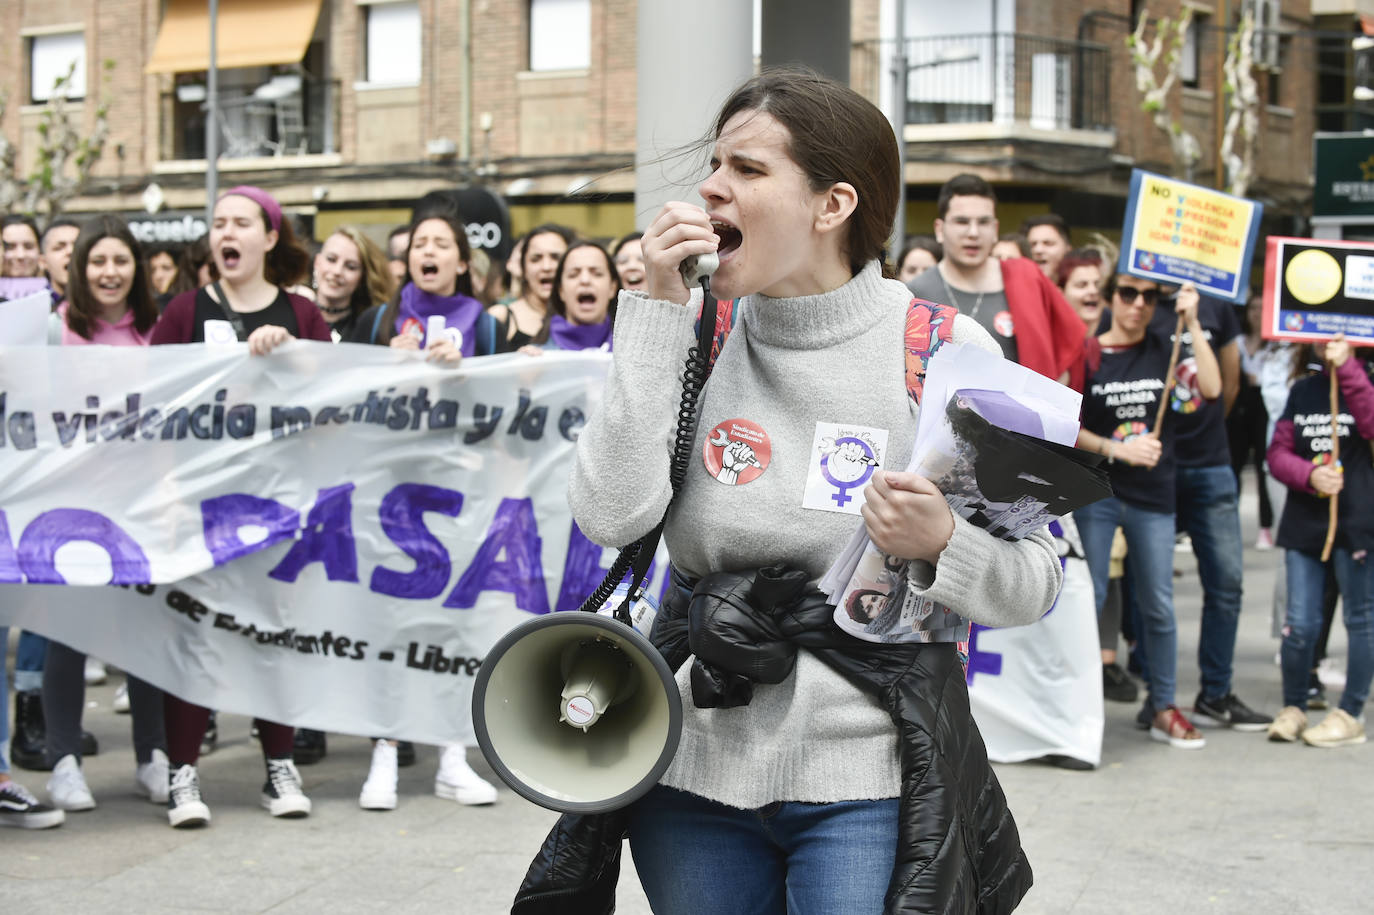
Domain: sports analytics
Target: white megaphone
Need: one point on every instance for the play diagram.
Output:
(578, 712)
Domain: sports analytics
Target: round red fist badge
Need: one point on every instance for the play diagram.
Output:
(736, 451)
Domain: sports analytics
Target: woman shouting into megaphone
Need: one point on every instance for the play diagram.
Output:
(791, 802)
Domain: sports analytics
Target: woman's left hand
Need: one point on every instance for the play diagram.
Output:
(1185, 304)
(906, 516)
(267, 338)
(444, 351)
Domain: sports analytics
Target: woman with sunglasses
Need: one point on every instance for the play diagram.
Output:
(1125, 383)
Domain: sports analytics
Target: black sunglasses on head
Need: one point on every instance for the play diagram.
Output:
(1128, 294)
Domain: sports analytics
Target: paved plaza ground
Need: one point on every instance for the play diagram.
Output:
(1244, 826)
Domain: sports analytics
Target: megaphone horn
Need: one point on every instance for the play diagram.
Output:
(577, 712)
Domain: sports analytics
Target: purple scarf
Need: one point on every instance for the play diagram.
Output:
(566, 335)
(459, 311)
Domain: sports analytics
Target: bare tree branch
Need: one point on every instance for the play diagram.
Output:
(1154, 89)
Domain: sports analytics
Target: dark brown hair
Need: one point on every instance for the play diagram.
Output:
(836, 135)
(556, 304)
(19, 219)
(1053, 220)
(926, 243)
(288, 263)
(82, 309)
(1020, 241)
(463, 286)
(963, 185)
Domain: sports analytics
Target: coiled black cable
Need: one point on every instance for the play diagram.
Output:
(639, 554)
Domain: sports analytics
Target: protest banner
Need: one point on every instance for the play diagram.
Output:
(1036, 690)
(1315, 289)
(334, 536)
(1176, 232)
(329, 536)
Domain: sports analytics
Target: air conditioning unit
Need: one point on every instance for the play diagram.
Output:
(1267, 45)
(441, 148)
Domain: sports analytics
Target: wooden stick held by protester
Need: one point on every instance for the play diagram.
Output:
(1334, 508)
(1169, 377)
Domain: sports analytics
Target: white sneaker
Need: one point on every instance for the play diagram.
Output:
(121, 700)
(67, 787)
(282, 795)
(151, 780)
(95, 671)
(184, 806)
(379, 791)
(456, 781)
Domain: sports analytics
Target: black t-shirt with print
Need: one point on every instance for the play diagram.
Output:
(1120, 401)
(1199, 424)
(1305, 515)
(279, 313)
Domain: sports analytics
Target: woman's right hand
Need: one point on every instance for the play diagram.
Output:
(1337, 350)
(404, 341)
(1327, 479)
(679, 231)
(1140, 451)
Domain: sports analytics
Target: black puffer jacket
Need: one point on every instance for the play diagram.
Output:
(958, 850)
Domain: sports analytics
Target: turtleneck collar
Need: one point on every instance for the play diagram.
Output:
(819, 321)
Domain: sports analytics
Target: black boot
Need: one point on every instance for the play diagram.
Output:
(308, 747)
(26, 745)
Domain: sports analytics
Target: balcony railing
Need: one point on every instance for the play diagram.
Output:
(998, 78)
(285, 115)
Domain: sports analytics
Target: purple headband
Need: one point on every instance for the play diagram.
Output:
(261, 198)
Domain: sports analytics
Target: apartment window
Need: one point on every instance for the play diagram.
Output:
(50, 57)
(393, 44)
(1190, 57)
(1274, 89)
(560, 34)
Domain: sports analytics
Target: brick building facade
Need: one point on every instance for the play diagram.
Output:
(390, 98)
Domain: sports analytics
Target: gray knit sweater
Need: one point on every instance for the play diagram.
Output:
(788, 364)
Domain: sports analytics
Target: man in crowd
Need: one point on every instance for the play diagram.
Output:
(1048, 236)
(56, 254)
(1011, 298)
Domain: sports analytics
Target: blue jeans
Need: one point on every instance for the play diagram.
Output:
(28, 661)
(1150, 561)
(1208, 510)
(694, 855)
(1303, 624)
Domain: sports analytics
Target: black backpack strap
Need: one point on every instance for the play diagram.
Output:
(233, 317)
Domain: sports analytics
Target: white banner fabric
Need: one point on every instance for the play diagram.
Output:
(348, 528)
(1036, 690)
(333, 536)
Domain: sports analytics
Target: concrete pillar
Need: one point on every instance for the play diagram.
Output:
(814, 33)
(690, 57)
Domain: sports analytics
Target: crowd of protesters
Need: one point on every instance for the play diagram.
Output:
(1063, 311)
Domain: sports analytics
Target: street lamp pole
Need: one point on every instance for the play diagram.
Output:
(212, 122)
(898, 75)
